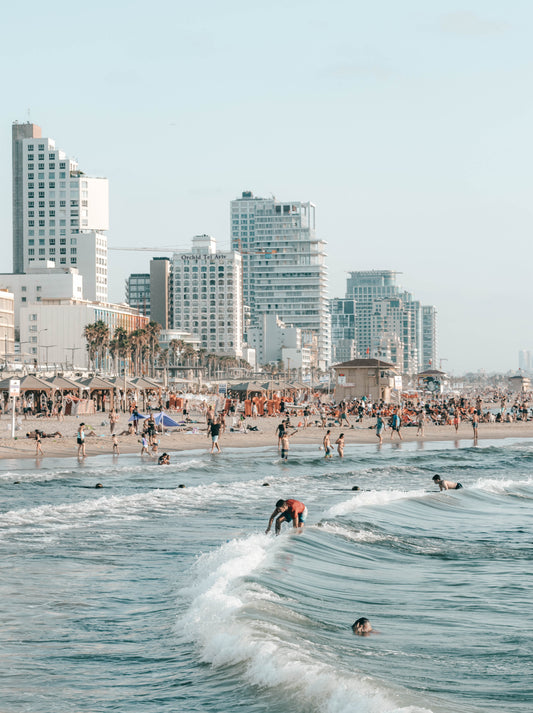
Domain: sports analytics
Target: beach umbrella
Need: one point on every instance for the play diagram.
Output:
(163, 419)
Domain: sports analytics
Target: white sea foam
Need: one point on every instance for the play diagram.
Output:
(371, 498)
(124, 507)
(498, 486)
(216, 622)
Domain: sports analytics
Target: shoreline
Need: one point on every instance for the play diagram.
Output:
(101, 444)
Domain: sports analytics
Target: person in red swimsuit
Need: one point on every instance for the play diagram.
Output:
(288, 511)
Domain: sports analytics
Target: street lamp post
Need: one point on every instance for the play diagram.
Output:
(47, 347)
(40, 331)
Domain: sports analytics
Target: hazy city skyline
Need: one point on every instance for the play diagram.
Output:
(408, 126)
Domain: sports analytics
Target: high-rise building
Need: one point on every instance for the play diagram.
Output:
(284, 265)
(343, 340)
(207, 296)
(138, 292)
(60, 215)
(429, 337)
(389, 322)
(160, 291)
(524, 360)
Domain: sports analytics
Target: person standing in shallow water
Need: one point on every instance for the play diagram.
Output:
(326, 442)
(340, 445)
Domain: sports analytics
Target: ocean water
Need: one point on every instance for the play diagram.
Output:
(143, 596)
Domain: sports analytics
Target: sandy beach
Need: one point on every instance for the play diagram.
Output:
(99, 442)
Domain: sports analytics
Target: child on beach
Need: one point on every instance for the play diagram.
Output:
(116, 451)
(144, 449)
(38, 448)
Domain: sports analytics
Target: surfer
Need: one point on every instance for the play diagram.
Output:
(446, 484)
(288, 511)
(362, 627)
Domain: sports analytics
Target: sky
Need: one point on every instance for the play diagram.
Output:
(407, 123)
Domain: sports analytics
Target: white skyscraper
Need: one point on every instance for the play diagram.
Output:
(284, 267)
(60, 215)
(207, 296)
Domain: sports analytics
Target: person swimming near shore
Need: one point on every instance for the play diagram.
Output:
(363, 627)
(164, 459)
(446, 484)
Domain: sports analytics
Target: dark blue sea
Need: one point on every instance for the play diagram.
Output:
(143, 597)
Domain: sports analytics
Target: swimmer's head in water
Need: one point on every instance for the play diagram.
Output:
(355, 487)
(436, 478)
(362, 626)
(98, 485)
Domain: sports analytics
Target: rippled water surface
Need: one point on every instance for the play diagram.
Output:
(143, 596)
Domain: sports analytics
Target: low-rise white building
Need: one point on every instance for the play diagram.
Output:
(42, 283)
(52, 330)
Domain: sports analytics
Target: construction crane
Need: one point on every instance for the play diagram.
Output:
(149, 250)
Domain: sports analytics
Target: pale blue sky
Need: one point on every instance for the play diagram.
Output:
(407, 122)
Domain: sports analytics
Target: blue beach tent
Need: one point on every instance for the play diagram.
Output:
(140, 417)
(162, 419)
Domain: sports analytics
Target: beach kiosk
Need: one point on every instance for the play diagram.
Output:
(375, 378)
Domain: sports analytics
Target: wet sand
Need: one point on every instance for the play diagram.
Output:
(100, 443)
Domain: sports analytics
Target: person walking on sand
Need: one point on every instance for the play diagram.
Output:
(340, 445)
(38, 447)
(396, 424)
(456, 419)
(326, 442)
(475, 424)
(288, 511)
(420, 423)
(81, 440)
(113, 418)
(280, 431)
(380, 425)
(144, 448)
(214, 432)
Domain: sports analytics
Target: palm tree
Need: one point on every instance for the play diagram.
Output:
(153, 330)
(102, 341)
(89, 332)
(138, 342)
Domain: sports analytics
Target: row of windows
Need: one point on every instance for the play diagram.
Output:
(62, 251)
